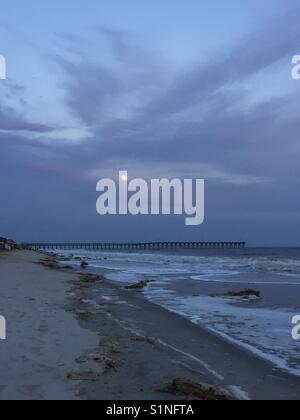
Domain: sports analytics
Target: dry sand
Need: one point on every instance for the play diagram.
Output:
(70, 339)
(43, 339)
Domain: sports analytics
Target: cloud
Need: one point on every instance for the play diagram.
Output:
(153, 120)
(196, 119)
(90, 88)
(14, 110)
(111, 86)
(11, 120)
(276, 41)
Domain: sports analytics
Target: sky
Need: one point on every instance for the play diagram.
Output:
(197, 89)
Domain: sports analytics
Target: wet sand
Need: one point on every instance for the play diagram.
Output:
(69, 339)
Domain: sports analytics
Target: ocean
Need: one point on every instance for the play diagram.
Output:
(184, 282)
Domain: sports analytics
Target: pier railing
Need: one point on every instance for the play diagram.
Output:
(135, 246)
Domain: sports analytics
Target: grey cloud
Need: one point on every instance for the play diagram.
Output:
(89, 90)
(11, 120)
(277, 40)
(195, 121)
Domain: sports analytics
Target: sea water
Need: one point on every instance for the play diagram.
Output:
(186, 280)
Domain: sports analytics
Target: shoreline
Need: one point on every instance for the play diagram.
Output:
(260, 341)
(126, 347)
(211, 358)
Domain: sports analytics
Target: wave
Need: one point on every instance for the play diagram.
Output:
(263, 331)
(266, 333)
(239, 281)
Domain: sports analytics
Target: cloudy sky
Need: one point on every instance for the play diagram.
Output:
(198, 89)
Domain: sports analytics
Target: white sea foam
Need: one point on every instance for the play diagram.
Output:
(239, 281)
(263, 332)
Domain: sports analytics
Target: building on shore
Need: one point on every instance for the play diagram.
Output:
(7, 244)
(3, 242)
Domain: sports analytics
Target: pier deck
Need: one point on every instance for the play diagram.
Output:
(135, 246)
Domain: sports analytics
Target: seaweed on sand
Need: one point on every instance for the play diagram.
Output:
(140, 285)
(85, 315)
(111, 364)
(83, 264)
(52, 265)
(90, 278)
(89, 375)
(192, 389)
(142, 339)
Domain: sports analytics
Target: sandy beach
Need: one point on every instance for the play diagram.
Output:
(43, 339)
(69, 338)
